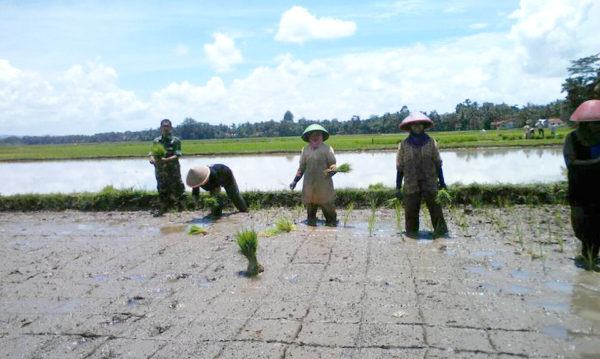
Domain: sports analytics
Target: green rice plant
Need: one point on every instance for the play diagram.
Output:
(158, 151)
(344, 168)
(399, 215)
(349, 210)
(499, 222)
(444, 198)
(298, 210)
(392, 202)
(588, 262)
(426, 217)
(539, 255)
(558, 239)
(372, 217)
(247, 240)
(194, 229)
(282, 224)
(461, 220)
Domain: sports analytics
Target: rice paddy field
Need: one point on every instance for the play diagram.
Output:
(453, 139)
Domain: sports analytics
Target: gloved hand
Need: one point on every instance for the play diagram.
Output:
(293, 185)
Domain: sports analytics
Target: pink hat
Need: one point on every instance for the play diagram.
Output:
(589, 111)
(416, 117)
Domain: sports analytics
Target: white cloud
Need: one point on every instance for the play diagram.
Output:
(298, 25)
(181, 50)
(79, 100)
(548, 31)
(478, 26)
(222, 54)
(486, 67)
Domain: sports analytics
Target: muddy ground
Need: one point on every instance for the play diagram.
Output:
(128, 285)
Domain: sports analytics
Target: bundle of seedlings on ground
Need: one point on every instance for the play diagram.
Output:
(194, 229)
(158, 151)
(248, 242)
(344, 168)
(283, 224)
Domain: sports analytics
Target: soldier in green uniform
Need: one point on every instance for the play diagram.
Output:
(165, 154)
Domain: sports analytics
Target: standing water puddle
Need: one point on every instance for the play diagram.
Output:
(266, 171)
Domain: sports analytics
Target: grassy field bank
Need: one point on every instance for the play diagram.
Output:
(132, 200)
(452, 139)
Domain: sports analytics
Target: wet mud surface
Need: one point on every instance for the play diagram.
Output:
(127, 285)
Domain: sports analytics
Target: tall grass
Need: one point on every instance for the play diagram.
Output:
(131, 200)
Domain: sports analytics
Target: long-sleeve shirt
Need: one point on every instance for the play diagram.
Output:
(419, 165)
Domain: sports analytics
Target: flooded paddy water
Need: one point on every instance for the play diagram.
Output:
(275, 172)
(125, 284)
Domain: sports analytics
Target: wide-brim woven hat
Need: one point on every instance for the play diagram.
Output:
(589, 111)
(416, 117)
(197, 176)
(314, 127)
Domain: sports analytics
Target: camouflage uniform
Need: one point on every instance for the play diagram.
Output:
(168, 173)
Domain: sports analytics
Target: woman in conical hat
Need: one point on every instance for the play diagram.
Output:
(418, 163)
(582, 157)
(317, 165)
(212, 178)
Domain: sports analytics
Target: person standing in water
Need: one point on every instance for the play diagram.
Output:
(582, 157)
(317, 165)
(418, 163)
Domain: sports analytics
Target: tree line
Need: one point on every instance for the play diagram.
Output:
(582, 84)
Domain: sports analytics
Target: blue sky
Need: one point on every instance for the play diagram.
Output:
(82, 67)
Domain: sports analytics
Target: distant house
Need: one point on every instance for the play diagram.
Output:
(504, 124)
(556, 122)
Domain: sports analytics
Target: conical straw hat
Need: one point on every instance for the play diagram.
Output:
(197, 176)
(315, 127)
(416, 117)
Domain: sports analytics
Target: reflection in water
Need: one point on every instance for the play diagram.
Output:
(275, 172)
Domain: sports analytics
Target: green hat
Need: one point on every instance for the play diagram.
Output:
(315, 127)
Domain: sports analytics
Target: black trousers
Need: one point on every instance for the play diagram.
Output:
(328, 212)
(586, 225)
(412, 206)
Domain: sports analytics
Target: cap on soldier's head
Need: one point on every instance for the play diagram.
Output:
(166, 120)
